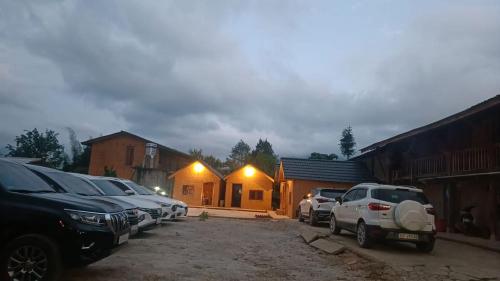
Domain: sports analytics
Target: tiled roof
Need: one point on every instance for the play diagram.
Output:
(326, 170)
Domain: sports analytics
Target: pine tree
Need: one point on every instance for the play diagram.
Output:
(347, 143)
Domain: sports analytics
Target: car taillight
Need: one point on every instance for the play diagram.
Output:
(322, 200)
(431, 211)
(378, 207)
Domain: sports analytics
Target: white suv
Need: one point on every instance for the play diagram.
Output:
(375, 211)
(317, 205)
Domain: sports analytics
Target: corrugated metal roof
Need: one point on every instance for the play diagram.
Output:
(326, 170)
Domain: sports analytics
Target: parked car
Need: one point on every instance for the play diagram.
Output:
(42, 231)
(375, 211)
(66, 182)
(317, 205)
(149, 212)
(178, 208)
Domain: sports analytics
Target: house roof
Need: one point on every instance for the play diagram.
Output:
(257, 169)
(487, 104)
(210, 168)
(125, 133)
(325, 170)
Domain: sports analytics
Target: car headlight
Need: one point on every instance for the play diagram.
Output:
(98, 219)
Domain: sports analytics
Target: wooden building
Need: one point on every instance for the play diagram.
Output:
(248, 188)
(198, 184)
(136, 158)
(297, 177)
(455, 160)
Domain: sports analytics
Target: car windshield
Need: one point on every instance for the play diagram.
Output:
(331, 193)
(399, 195)
(19, 179)
(108, 188)
(73, 184)
(139, 189)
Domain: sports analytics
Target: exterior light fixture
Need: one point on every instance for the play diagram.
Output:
(157, 188)
(198, 167)
(163, 193)
(249, 171)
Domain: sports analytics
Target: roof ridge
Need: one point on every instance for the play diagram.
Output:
(318, 160)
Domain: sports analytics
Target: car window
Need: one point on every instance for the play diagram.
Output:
(17, 178)
(331, 193)
(120, 185)
(73, 184)
(399, 195)
(108, 188)
(350, 195)
(138, 188)
(361, 194)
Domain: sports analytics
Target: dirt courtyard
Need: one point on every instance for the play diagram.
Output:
(232, 249)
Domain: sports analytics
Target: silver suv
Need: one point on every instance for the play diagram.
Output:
(375, 211)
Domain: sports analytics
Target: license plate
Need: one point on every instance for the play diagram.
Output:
(123, 238)
(408, 236)
(158, 220)
(134, 229)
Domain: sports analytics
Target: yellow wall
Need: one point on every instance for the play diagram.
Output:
(298, 188)
(187, 176)
(259, 181)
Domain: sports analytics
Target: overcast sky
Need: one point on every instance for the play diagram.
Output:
(204, 74)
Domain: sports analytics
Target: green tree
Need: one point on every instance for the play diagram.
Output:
(109, 172)
(347, 142)
(322, 156)
(239, 155)
(34, 144)
(80, 156)
(211, 160)
(196, 153)
(263, 157)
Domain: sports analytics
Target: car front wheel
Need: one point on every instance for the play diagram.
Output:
(31, 257)
(334, 228)
(362, 236)
(312, 218)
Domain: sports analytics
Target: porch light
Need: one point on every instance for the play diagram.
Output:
(157, 188)
(249, 171)
(198, 167)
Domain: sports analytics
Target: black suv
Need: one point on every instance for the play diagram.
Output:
(40, 228)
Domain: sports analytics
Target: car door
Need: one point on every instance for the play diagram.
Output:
(305, 204)
(357, 206)
(342, 215)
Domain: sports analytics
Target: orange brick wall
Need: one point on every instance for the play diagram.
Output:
(187, 176)
(112, 153)
(259, 181)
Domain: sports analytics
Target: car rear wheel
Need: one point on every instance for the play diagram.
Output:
(299, 215)
(31, 257)
(362, 236)
(334, 228)
(312, 218)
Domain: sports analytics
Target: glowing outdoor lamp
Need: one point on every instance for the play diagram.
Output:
(249, 171)
(198, 167)
(163, 193)
(157, 188)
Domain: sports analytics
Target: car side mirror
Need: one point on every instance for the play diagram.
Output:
(339, 199)
(305, 197)
(129, 192)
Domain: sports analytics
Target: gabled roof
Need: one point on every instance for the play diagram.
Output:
(125, 133)
(487, 104)
(210, 168)
(258, 170)
(325, 170)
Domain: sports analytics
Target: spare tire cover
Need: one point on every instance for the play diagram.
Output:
(410, 215)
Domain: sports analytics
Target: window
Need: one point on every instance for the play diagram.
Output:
(129, 156)
(109, 188)
(399, 195)
(350, 195)
(187, 189)
(256, 195)
(16, 178)
(331, 193)
(360, 194)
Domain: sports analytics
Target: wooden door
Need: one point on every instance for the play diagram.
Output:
(236, 195)
(207, 195)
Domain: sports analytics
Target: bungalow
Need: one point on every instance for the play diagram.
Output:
(249, 188)
(298, 176)
(456, 160)
(198, 184)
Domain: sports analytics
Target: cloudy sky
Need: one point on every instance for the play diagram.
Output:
(205, 74)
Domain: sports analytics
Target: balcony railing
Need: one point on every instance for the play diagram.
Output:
(472, 160)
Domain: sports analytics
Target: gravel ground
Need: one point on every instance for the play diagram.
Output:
(231, 249)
